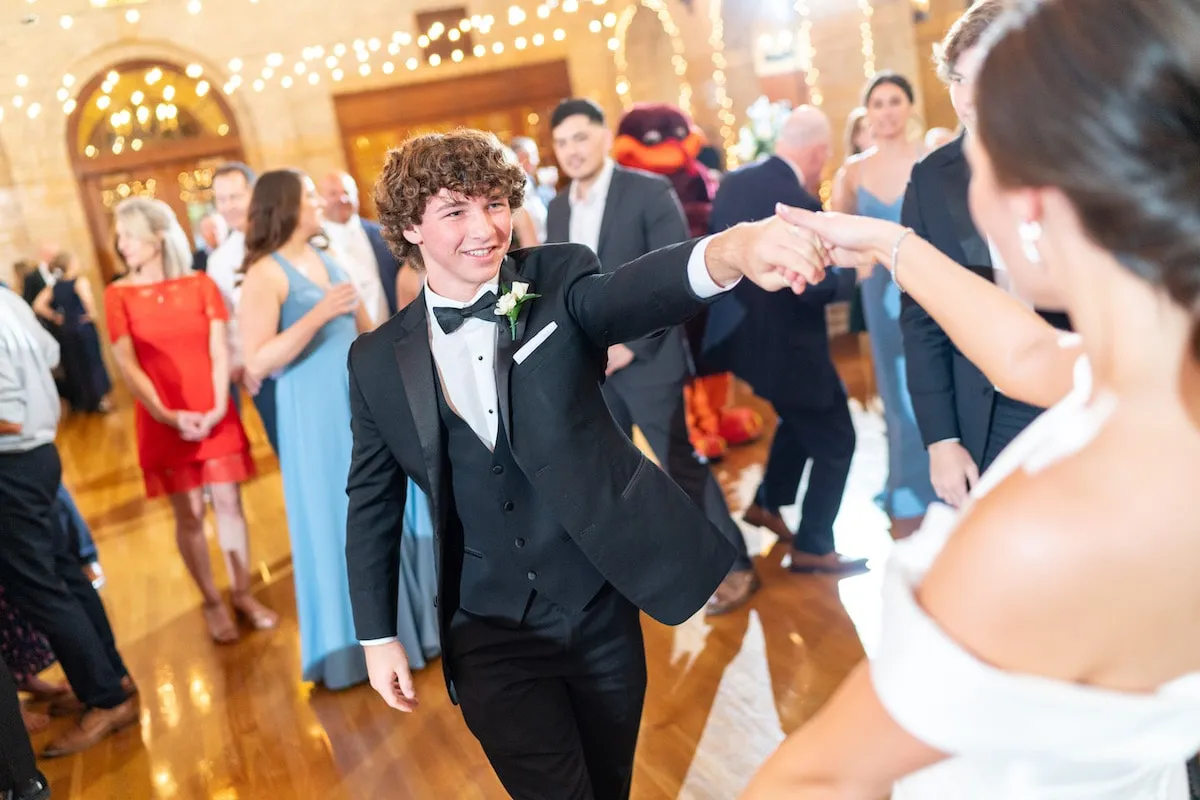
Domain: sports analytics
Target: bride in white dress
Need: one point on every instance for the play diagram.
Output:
(1042, 644)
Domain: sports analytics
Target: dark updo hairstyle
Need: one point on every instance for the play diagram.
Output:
(1108, 95)
(893, 78)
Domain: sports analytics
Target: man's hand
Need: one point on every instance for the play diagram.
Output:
(619, 357)
(10, 428)
(387, 668)
(952, 472)
(772, 253)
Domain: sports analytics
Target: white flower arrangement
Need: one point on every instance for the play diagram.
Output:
(764, 123)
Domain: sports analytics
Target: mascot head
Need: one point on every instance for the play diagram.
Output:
(657, 137)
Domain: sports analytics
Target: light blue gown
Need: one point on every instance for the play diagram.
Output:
(313, 409)
(908, 491)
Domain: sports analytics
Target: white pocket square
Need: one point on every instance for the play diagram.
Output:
(533, 344)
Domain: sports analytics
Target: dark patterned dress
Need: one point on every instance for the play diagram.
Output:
(23, 648)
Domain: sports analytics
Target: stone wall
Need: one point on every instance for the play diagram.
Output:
(296, 126)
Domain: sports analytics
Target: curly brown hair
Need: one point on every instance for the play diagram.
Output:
(467, 162)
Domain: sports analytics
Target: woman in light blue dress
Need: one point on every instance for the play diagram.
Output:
(298, 315)
(872, 184)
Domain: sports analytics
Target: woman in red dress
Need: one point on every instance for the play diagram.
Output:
(167, 324)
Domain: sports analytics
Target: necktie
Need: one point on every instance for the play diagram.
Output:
(451, 319)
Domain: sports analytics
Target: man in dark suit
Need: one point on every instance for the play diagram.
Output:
(359, 246)
(779, 344)
(551, 529)
(622, 214)
(964, 421)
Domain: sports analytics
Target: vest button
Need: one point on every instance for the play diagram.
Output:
(496, 470)
(508, 506)
(519, 542)
(532, 576)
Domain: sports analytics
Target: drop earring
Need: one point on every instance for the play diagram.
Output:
(1031, 233)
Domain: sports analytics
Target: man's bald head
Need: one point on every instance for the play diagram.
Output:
(340, 193)
(806, 141)
(47, 251)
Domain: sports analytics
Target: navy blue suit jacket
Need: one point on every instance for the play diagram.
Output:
(389, 268)
(951, 398)
(778, 342)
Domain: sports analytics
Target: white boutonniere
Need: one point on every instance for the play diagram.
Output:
(509, 304)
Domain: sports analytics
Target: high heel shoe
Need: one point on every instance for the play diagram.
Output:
(221, 627)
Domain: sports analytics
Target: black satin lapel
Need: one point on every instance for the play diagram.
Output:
(418, 373)
(957, 176)
(612, 205)
(506, 344)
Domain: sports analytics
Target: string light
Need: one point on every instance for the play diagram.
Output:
(716, 41)
(659, 7)
(868, 39)
(438, 30)
(809, 52)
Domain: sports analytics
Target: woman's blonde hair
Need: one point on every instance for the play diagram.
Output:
(153, 221)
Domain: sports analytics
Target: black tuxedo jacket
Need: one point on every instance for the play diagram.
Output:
(34, 283)
(388, 266)
(952, 399)
(778, 342)
(642, 213)
(633, 523)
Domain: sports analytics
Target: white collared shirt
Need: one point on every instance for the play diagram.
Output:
(587, 210)
(223, 266)
(1000, 274)
(465, 360)
(354, 253)
(47, 275)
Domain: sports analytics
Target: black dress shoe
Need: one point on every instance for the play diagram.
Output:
(35, 789)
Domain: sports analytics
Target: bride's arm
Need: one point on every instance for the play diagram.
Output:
(850, 750)
(1025, 357)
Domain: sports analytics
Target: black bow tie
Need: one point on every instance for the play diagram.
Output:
(451, 319)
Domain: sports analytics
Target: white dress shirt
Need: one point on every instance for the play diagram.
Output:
(465, 360)
(1000, 274)
(47, 275)
(353, 252)
(587, 210)
(223, 267)
(28, 396)
(536, 209)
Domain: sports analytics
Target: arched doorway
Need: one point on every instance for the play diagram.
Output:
(148, 128)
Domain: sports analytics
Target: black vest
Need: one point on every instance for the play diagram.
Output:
(512, 546)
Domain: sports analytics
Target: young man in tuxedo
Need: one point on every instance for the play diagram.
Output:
(622, 214)
(779, 344)
(552, 529)
(964, 420)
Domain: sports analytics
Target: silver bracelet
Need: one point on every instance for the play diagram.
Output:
(896, 259)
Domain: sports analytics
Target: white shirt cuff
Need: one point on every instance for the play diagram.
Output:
(950, 439)
(373, 642)
(702, 283)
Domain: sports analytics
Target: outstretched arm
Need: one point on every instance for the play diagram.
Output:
(666, 287)
(1023, 355)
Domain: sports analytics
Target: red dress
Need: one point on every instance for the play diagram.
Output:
(169, 325)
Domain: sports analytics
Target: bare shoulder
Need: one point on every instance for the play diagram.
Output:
(264, 274)
(1042, 573)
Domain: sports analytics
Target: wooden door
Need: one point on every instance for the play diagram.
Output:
(516, 102)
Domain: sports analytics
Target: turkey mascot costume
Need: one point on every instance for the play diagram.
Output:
(660, 138)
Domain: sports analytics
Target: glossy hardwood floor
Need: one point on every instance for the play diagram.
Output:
(236, 721)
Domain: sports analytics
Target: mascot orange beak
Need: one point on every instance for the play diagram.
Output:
(667, 156)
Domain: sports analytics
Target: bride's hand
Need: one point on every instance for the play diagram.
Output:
(849, 240)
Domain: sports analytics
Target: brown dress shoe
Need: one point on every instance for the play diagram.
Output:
(733, 593)
(830, 563)
(94, 726)
(760, 517)
(70, 706)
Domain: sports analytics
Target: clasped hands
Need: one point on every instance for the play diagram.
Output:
(793, 249)
(194, 426)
